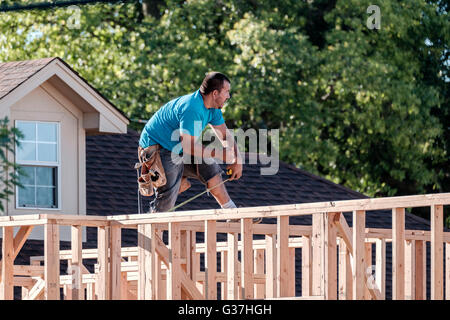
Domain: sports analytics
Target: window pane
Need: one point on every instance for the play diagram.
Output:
(45, 176)
(45, 197)
(28, 176)
(46, 132)
(28, 129)
(47, 152)
(26, 197)
(26, 151)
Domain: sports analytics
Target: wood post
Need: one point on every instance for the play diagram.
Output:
(224, 269)
(306, 266)
(291, 273)
(271, 266)
(345, 272)
(421, 270)
(359, 224)
(174, 271)
(380, 266)
(210, 260)
(370, 282)
(232, 266)
(7, 286)
(258, 259)
(410, 272)
(283, 256)
(77, 263)
(247, 258)
(51, 261)
(447, 271)
(102, 287)
(317, 255)
(115, 262)
(146, 261)
(437, 252)
(330, 258)
(398, 254)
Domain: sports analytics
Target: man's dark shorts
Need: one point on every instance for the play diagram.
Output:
(175, 169)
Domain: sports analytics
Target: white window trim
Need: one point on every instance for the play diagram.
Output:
(43, 164)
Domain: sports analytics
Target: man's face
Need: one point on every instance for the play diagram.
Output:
(222, 96)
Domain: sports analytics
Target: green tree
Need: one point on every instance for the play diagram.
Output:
(366, 108)
(9, 170)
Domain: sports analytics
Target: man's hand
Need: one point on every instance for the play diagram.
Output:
(236, 169)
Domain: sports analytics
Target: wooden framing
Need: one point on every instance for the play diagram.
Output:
(283, 257)
(266, 270)
(247, 259)
(437, 252)
(359, 223)
(398, 253)
(51, 262)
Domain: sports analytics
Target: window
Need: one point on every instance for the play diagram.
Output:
(38, 155)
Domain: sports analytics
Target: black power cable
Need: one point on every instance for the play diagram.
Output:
(55, 4)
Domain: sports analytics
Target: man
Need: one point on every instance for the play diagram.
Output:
(183, 120)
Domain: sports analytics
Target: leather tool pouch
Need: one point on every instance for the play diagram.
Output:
(152, 173)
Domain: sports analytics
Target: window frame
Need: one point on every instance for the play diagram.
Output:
(36, 163)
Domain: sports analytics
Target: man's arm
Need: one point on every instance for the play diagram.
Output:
(227, 140)
(191, 147)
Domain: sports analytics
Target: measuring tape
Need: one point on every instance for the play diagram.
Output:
(229, 173)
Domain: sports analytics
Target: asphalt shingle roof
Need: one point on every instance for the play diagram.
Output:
(12, 74)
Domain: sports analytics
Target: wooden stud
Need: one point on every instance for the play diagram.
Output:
(380, 266)
(102, 287)
(370, 283)
(437, 252)
(410, 276)
(306, 266)
(345, 272)
(7, 272)
(224, 269)
(398, 254)
(283, 256)
(174, 271)
(115, 262)
(447, 271)
(146, 260)
(421, 268)
(291, 272)
(247, 259)
(317, 242)
(330, 257)
(76, 263)
(51, 262)
(20, 238)
(210, 260)
(259, 269)
(271, 266)
(359, 224)
(142, 246)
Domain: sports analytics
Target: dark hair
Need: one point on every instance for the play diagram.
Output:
(213, 81)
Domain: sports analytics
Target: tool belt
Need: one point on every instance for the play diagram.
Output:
(152, 173)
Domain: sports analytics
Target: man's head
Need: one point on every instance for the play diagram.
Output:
(216, 89)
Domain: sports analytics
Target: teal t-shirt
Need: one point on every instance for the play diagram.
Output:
(187, 114)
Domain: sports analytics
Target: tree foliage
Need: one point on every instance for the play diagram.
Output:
(366, 108)
(9, 170)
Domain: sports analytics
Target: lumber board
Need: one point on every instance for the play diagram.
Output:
(437, 252)
(7, 276)
(51, 262)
